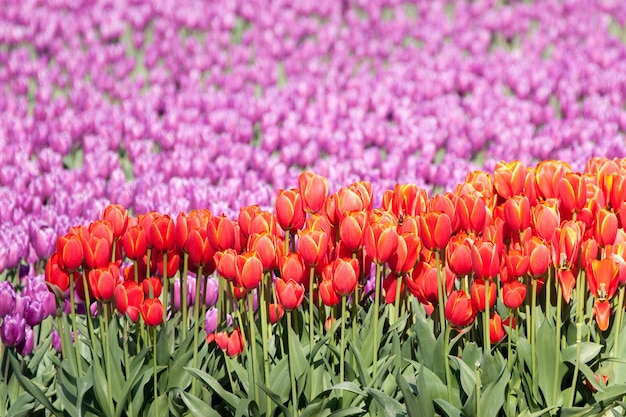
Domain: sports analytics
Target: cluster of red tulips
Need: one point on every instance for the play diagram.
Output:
(494, 235)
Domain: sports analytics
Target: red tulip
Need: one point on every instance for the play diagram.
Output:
(472, 213)
(103, 229)
(567, 281)
(221, 233)
(134, 242)
(459, 310)
(406, 255)
(70, 252)
(548, 174)
(249, 270)
(348, 200)
(614, 187)
(327, 291)
(602, 313)
(56, 276)
(546, 219)
(602, 278)
(345, 275)
(435, 230)
(152, 287)
(513, 294)
(290, 209)
(572, 191)
(312, 246)
(352, 229)
(516, 263)
(566, 243)
(517, 213)
(145, 221)
(478, 293)
(292, 267)
(128, 299)
(314, 190)
(102, 282)
(365, 192)
(485, 259)
(538, 256)
(390, 284)
(118, 216)
(290, 293)
(264, 222)
(459, 254)
(152, 311)
(422, 283)
(496, 328)
(606, 227)
(266, 247)
(226, 263)
(246, 214)
(381, 241)
(276, 312)
(197, 246)
(231, 344)
(173, 262)
(509, 178)
(97, 251)
(406, 200)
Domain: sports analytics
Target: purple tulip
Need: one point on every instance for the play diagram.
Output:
(34, 312)
(13, 330)
(25, 348)
(56, 340)
(7, 298)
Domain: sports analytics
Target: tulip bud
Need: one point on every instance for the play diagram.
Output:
(513, 294)
(314, 190)
(478, 291)
(345, 275)
(152, 311)
(290, 293)
(290, 209)
(496, 329)
(459, 309)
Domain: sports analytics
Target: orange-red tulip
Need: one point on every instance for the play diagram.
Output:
(289, 209)
(478, 292)
(226, 264)
(102, 282)
(472, 213)
(352, 228)
(70, 251)
(606, 227)
(314, 190)
(152, 311)
(406, 255)
(546, 219)
(345, 275)
(517, 213)
(118, 216)
(381, 241)
(231, 344)
(435, 230)
(513, 294)
(548, 174)
(516, 263)
(538, 256)
(459, 310)
(57, 276)
(97, 251)
(277, 311)
(246, 214)
(496, 328)
(572, 191)
(249, 270)
(485, 259)
(266, 247)
(134, 242)
(509, 178)
(128, 299)
(459, 254)
(312, 246)
(327, 291)
(292, 267)
(221, 233)
(290, 293)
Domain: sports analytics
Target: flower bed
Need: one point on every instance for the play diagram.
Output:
(503, 297)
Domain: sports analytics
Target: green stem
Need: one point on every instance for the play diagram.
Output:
(107, 346)
(533, 304)
(396, 311)
(446, 361)
(508, 351)
(265, 336)
(441, 292)
(549, 295)
(343, 339)
(311, 321)
(4, 353)
(230, 373)
(88, 307)
(255, 362)
(287, 235)
(579, 325)
(478, 389)
(154, 368)
(292, 375)
(618, 319)
(166, 287)
(136, 271)
(557, 343)
(148, 257)
(486, 316)
(379, 268)
(79, 361)
(196, 329)
(127, 361)
(183, 294)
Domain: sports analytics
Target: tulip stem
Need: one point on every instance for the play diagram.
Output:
(557, 343)
(265, 335)
(251, 323)
(618, 319)
(478, 389)
(579, 325)
(196, 329)
(441, 289)
(183, 293)
(148, 256)
(508, 348)
(311, 321)
(154, 368)
(487, 316)
(107, 347)
(446, 360)
(396, 311)
(79, 362)
(343, 339)
(127, 360)
(88, 307)
(549, 296)
(166, 286)
(292, 375)
(379, 268)
(531, 325)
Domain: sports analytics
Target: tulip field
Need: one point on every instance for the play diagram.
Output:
(313, 208)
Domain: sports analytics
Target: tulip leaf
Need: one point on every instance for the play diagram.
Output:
(418, 404)
(363, 373)
(447, 409)
(426, 342)
(588, 352)
(100, 388)
(492, 398)
(30, 387)
(347, 412)
(468, 377)
(297, 351)
(83, 384)
(575, 411)
(230, 398)
(177, 377)
(286, 411)
(546, 360)
(241, 372)
(348, 386)
(197, 407)
(279, 379)
(389, 406)
(315, 409)
(610, 394)
(22, 406)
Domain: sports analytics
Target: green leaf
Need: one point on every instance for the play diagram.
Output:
(468, 376)
(588, 352)
(492, 399)
(315, 409)
(242, 374)
(197, 407)
(447, 409)
(426, 342)
(363, 373)
(276, 399)
(208, 380)
(347, 412)
(30, 386)
(546, 357)
(83, 385)
(390, 407)
(417, 405)
(280, 383)
(348, 386)
(100, 388)
(575, 411)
